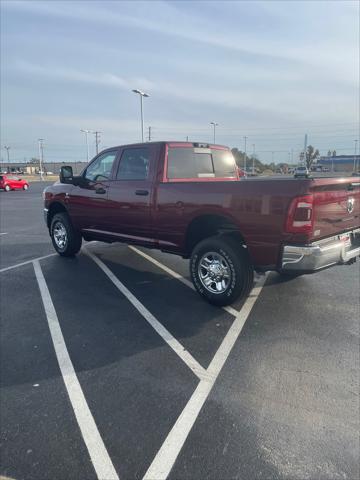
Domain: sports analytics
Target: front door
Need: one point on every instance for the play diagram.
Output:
(88, 202)
(131, 195)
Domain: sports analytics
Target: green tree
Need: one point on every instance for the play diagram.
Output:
(311, 155)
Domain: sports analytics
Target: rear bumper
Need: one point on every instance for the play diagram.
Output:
(337, 250)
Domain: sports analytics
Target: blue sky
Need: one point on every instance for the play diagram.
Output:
(272, 71)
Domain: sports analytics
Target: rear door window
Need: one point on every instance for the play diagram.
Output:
(134, 164)
(188, 162)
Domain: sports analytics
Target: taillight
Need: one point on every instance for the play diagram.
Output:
(300, 217)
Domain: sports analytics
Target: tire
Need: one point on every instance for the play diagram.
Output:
(227, 257)
(25, 187)
(66, 240)
(7, 188)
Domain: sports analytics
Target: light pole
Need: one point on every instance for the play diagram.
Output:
(142, 94)
(253, 167)
(87, 142)
(214, 124)
(355, 151)
(245, 138)
(7, 148)
(41, 156)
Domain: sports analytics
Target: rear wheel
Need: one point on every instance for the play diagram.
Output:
(66, 240)
(221, 270)
(7, 188)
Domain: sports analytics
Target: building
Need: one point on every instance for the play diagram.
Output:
(340, 163)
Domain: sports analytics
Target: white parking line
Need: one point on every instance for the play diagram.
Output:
(3, 233)
(176, 275)
(169, 451)
(27, 262)
(185, 356)
(98, 454)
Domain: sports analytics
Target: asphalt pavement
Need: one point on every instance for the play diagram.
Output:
(113, 367)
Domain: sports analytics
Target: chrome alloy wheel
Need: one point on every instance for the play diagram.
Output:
(214, 272)
(60, 235)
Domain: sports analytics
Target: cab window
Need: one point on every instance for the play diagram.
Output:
(100, 169)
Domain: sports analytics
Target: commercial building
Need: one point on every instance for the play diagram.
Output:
(340, 163)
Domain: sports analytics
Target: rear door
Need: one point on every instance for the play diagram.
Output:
(88, 203)
(131, 194)
(336, 205)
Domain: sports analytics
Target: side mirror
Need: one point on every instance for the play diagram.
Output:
(66, 174)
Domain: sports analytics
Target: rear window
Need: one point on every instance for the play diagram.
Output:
(185, 162)
(1, 178)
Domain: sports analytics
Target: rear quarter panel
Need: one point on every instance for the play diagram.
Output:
(258, 207)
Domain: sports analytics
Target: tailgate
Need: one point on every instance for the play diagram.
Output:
(336, 205)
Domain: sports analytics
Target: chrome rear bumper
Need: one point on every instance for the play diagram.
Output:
(336, 250)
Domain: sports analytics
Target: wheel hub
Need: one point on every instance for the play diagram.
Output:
(60, 235)
(214, 272)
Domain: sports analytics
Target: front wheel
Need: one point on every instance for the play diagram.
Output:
(221, 270)
(25, 187)
(66, 240)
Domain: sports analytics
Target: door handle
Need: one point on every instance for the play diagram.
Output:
(142, 192)
(100, 190)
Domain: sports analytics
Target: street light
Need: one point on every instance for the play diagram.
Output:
(7, 148)
(87, 142)
(41, 157)
(214, 124)
(245, 138)
(355, 141)
(253, 162)
(142, 94)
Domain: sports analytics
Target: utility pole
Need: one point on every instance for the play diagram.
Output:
(41, 156)
(253, 159)
(97, 140)
(149, 139)
(7, 148)
(187, 138)
(355, 141)
(245, 138)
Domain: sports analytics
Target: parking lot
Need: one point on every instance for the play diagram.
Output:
(113, 367)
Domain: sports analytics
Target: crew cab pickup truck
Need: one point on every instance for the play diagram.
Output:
(187, 199)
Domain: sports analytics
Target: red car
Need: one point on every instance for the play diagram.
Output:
(9, 182)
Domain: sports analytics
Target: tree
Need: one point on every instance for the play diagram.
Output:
(334, 153)
(329, 153)
(311, 155)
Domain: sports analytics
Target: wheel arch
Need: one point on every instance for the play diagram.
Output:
(54, 208)
(208, 225)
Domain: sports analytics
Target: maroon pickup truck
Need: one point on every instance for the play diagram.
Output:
(187, 199)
